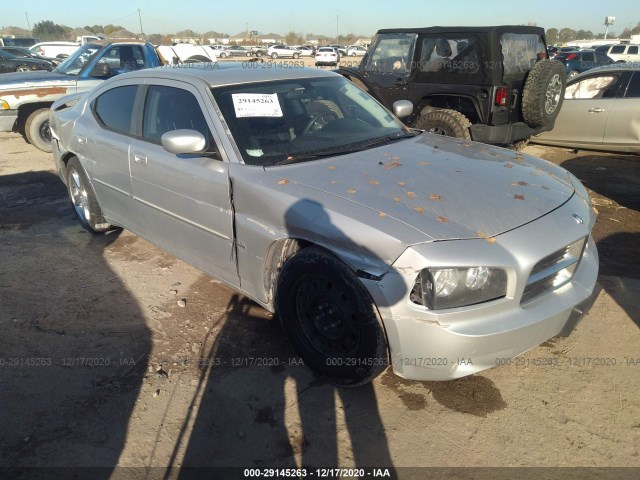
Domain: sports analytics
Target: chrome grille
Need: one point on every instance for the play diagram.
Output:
(553, 271)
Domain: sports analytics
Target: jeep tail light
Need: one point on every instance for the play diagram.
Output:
(571, 56)
(502, 96)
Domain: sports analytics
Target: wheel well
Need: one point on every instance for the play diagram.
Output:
(279, 252)
(25, 110)
(65, 160)
(464, 105)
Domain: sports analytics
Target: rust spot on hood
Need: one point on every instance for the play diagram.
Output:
(519, 197)
(284, 181)
(39, 91)
(435, 197)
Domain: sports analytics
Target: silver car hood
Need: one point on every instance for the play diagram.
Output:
(39, 78)
(445, 188)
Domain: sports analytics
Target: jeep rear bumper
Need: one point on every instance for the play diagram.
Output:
(503, 134)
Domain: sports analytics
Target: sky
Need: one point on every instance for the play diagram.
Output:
(324, 17)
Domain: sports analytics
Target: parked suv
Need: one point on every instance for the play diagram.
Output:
(624, 53)
(489, 84)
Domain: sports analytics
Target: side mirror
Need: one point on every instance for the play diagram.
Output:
(402, 108)
(100, 70)
(184, 141)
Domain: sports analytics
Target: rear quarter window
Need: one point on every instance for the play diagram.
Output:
(114, 108)
(520, 52)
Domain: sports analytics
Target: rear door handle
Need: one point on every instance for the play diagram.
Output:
(140, 159)
(596, 110)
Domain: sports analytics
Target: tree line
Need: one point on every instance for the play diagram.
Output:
(564, 35)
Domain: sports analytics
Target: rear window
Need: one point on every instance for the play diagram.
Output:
(520, 52)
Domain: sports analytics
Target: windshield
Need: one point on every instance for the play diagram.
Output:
(285, 121)
(77, 60)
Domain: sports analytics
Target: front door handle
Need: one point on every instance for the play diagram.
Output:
(140, 159)
(596, 110)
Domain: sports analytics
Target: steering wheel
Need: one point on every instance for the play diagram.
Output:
(318, 121)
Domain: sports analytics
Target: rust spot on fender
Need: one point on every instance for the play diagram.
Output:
(435, 197)
(351, 190)
(518, 197)
(411, 194)
(491, 239)
(39, 92)
(396, 199)
(443, 219)
(374, 182)
(402, 184)
(419, 209)
(332, 167)
(519, 184)
(382, 214)
(283, 181)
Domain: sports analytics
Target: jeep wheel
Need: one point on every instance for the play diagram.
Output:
(543, 93)
(37, 130)
(445, 122)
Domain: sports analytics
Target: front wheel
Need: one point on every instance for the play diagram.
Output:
(274, 55)
(296, 56)
(37, 130)
(572, 73)
(330, 318)
(445, 122)
(23, 68)
(83, 198)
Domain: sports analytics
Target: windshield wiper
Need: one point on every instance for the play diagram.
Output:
(321, 154)
(388, 139)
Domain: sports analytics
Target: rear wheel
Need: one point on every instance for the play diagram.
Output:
(274, 55)
(296, 56)
(37, 130)
(23, 68)
(330, 318)
(83, 198)
(445, 122)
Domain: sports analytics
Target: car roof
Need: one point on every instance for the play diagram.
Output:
(221, 74)
(484, 29)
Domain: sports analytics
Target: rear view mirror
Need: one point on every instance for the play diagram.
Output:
(184, 141)
(100, 70)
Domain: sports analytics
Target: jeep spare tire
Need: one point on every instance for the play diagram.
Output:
(543, 93)
(445, 122)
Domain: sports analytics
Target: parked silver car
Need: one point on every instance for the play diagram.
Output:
(282, 51)
(601, 111)
(372, 242)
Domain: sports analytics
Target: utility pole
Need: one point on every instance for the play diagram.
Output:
(28, 24)
(140, 18)
(337, 28)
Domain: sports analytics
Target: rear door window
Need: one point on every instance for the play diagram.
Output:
(605, 86)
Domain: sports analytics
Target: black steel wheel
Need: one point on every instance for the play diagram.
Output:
(330, 318)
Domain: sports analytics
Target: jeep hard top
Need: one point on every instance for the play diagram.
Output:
(489, 84)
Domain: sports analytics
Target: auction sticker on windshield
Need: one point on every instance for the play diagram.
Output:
(256, 105)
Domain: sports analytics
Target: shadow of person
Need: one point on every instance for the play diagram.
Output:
(75, 342)
(261, 407)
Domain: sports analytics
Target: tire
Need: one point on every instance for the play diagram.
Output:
(23, 68)
(258, 54)
(296, 56)
(572, 73)
(330, 319)
(83, 199)
(274, 55)
(445, 122)
(543, 93)
(519, 145)
(248, 54)
(37, 131)
(223, 55)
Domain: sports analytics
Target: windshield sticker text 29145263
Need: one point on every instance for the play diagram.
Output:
(256, 105)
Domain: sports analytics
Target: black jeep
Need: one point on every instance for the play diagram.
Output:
(489, 84)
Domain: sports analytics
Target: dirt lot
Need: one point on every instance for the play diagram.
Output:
(115, 354)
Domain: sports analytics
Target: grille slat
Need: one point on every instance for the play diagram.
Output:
(553, 271)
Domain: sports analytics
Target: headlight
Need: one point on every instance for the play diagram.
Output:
(4, 105)
(440, 288)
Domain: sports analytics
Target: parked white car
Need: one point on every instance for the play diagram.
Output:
(624, 53)
(355, 50)
(55, 49)
(280, 50)
(327, 56)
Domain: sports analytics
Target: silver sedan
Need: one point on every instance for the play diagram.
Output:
(601, 111)
(375, 244)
